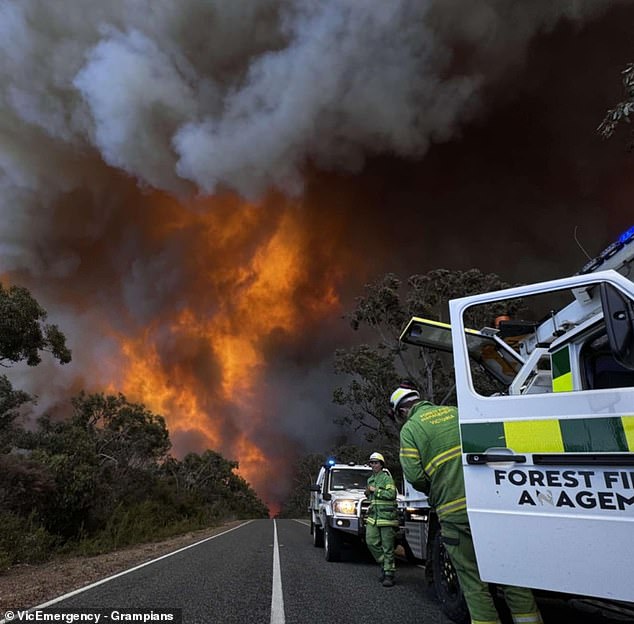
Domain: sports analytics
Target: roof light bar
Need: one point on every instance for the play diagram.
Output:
(627, 236)
(611, 250)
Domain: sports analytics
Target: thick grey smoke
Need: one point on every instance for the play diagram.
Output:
(207, 94)
(202, 95)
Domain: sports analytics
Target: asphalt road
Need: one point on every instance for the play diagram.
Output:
(268, 572)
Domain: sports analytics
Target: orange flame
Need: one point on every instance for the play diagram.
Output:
(246, 274)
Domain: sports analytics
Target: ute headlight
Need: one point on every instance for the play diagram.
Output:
(345, 506)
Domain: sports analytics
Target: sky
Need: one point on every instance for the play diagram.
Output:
(198, 190)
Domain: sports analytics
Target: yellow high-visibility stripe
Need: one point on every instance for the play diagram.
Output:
(485, 622)
(410, 454)
(441, 458)
(409, 449)
(628, 428)
(456, 505)
(534, 436)
(563, 383)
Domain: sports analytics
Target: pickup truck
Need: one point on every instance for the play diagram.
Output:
(337, 506)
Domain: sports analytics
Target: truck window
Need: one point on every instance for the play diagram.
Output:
(342, 479)
(600, 369)
(561, 339)
(531, 373)
(536, 378)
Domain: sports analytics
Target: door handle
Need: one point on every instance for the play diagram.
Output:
(479, 459)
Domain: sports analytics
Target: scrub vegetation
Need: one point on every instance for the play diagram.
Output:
(101, 477)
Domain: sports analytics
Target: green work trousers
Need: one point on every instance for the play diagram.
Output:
(459, 544)
(380, 541)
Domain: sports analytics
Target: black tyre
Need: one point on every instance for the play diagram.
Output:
(332, 544)
(318, 535)
(446, 585)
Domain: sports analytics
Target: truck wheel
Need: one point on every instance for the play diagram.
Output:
(318, 535)
(446, 585)
(332, 544)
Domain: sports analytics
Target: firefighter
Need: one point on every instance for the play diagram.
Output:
(382, 519)
(431, 457)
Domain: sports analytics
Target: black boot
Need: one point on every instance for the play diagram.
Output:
(388, 581)
(381, 575)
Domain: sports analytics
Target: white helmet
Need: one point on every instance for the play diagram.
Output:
(377, 457)
(403, 393)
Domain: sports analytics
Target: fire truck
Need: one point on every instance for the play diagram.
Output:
(546, 409)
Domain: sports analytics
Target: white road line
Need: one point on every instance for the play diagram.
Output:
(304, 522)
(114, 576)
(277, 599)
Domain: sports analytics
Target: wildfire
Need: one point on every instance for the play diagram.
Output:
(201, 365)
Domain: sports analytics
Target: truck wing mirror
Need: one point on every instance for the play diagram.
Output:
(619, 324)
(315, 488)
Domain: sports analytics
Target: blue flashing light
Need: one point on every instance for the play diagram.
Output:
(627, 236)
(330, 461)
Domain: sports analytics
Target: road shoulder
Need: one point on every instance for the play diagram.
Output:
(25, 586)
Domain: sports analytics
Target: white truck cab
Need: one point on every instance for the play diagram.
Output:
(549, 457)
(337, 505)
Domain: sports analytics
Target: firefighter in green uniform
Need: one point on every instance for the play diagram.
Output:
(382, 519)
(431, 457)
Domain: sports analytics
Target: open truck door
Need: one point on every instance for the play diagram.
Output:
(549, 464)
(485, 349)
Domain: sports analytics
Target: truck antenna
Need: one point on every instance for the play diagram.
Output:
(580, 245)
